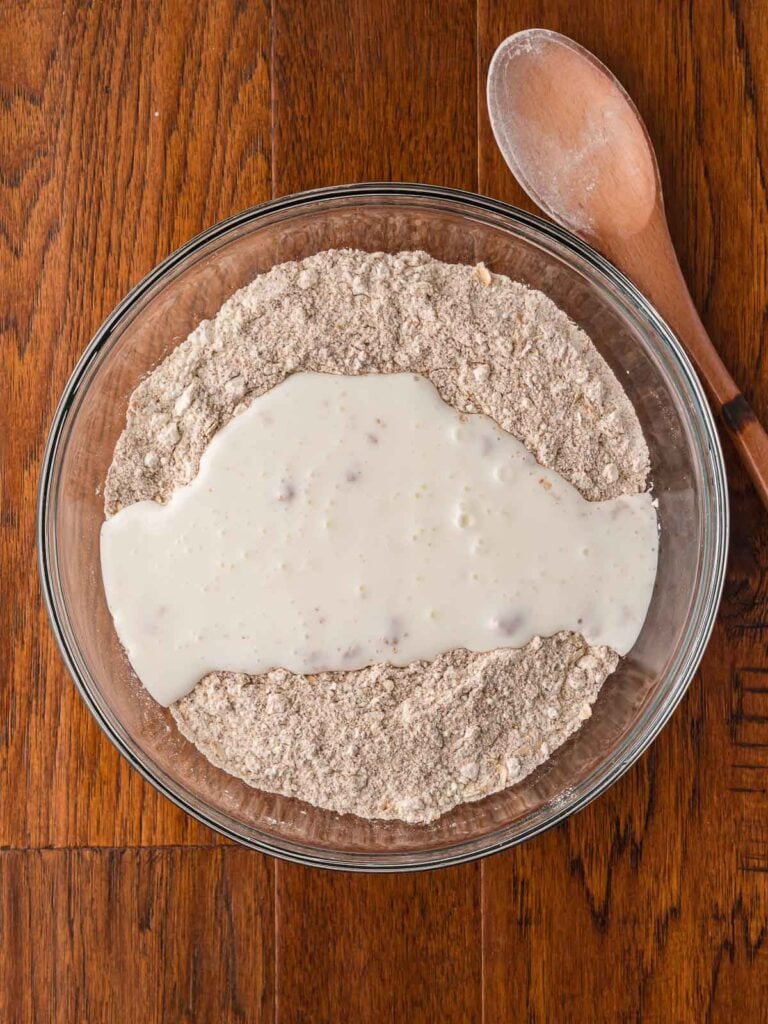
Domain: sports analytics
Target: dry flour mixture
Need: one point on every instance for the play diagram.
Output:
(383, 741)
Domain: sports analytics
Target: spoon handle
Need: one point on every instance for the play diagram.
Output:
(649, 260)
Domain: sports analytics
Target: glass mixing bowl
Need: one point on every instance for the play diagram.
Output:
(458, 227)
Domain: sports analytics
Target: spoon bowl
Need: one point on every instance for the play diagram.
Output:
(575, 141)
(591, 149)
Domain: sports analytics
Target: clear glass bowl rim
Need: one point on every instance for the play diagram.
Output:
(714, 553)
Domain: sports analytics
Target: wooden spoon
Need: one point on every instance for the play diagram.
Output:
(576, 143)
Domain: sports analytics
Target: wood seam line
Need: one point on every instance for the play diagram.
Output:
(95, 848)
(273, 190)
(479, 96)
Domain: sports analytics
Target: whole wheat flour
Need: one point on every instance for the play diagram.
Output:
(406, 743)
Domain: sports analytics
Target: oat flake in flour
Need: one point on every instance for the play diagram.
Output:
(387, 742)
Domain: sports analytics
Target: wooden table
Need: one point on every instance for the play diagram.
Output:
(124, 129)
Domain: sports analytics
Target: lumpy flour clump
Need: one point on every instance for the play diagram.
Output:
(406, 743)
(488, 345)
(386, 742)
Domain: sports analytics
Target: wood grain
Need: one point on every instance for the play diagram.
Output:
(378, 948)
(124, 129)
(112, 158)
(144, 936)
(652, 904)
(422, 931)
(374, 91)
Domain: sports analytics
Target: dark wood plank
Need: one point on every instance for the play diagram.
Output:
(376, 91)
(125, 129)
(144, 936)
(386, 948)
(652, 904)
